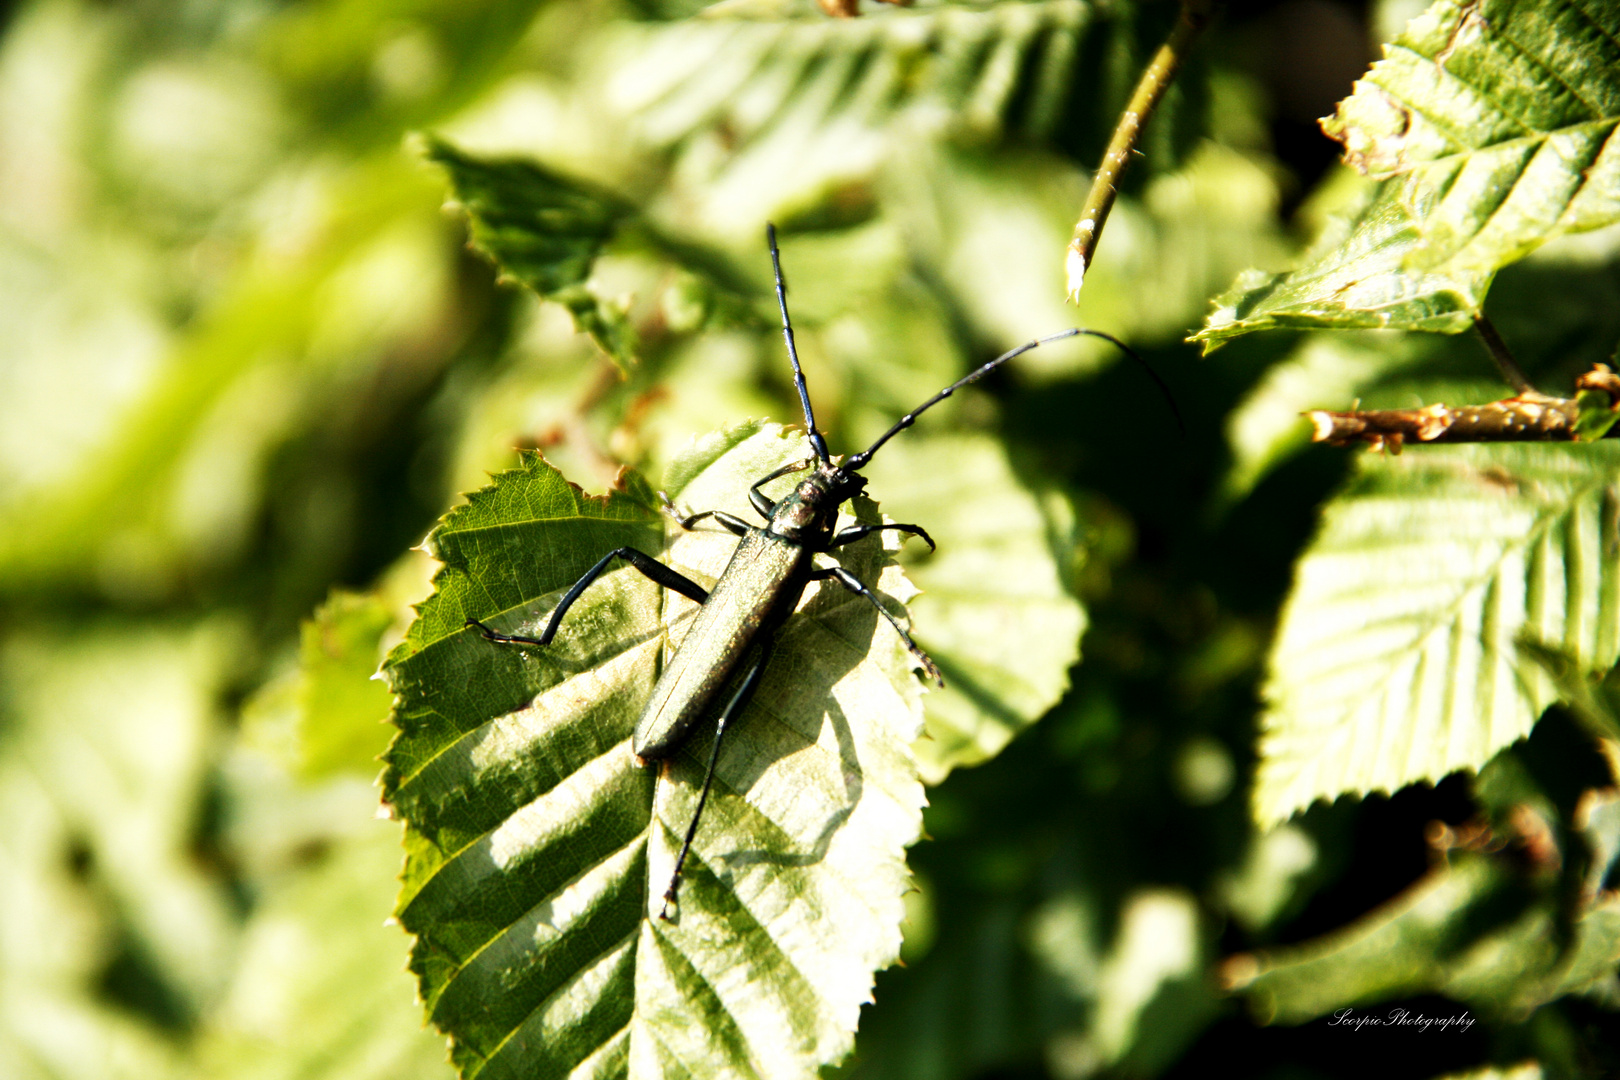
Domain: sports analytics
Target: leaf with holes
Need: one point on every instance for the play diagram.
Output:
(1396, 660)
(1491, 124)
(536, 845)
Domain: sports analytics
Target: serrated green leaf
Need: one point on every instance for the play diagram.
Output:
(1358, 276)
(544, 230)
(1396, 658)
(1496, 923)
(537, 849)
(813, 107)
(993, 611)
(1492, 122)
(1501, 116)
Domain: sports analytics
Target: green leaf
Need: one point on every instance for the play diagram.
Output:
(1490, 124)
(1357, 276)
(316, 958)
(993, 612)
(1268, 425)
(1596, 415)
(1396, 658)
(544, 230)
(1511, 916)
(1004, 67)
(329, 714)
(1499, 116)
(1528, 1070)
(796, 117)
(537, 849)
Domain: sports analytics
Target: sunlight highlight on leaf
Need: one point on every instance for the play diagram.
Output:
(1396, 658)
(539, 850)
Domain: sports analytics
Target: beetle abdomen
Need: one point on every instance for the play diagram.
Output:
(760, 587)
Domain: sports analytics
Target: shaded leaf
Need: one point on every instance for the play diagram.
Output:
(544, 230)
(1396, 659)
(1268, 425)
(1492, 925)
(535, 844)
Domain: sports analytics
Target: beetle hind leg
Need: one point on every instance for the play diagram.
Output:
(733, 709)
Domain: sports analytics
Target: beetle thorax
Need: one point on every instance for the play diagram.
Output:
(813, 506)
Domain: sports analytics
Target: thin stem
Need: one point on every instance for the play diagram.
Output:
(1504, 359)
(1150, 89)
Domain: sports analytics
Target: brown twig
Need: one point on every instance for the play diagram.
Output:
(1526, 417)
(1150, 89)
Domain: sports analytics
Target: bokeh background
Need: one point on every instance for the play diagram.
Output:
(246, 360)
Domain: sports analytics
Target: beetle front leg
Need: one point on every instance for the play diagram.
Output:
(763, 505)
(859, 532)
(657, 571)
(857, 586)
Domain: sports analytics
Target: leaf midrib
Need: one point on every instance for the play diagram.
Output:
(1451, 612)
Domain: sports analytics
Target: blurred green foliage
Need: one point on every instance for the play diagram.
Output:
(246, 360)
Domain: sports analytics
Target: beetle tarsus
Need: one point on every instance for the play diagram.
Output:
(497, 636)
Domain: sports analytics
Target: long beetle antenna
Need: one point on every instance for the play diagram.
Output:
(857, 461)
(817, 443)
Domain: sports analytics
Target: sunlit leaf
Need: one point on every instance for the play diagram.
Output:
(985, 69)
(1358, 276)
(1396, 657)
(538, 850)
(808, 109)
(1529, 1070)
(1492, 122)
(1500, 116)
(318, 959)
(329, 714)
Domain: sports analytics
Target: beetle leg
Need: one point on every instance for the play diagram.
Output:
(733, 709)
(857, 532)
(855, 585)
(735, 524)
(663, 575)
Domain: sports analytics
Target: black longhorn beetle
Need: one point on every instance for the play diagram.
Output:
(734, 632)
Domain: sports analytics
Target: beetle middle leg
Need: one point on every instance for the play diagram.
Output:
(734, 707)
(666, 576)
(857, 586)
